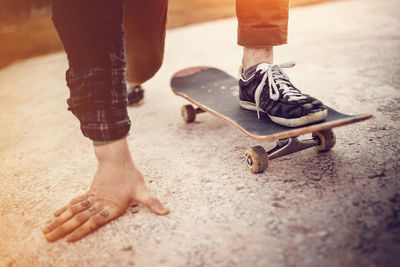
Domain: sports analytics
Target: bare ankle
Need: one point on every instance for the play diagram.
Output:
(257, 55)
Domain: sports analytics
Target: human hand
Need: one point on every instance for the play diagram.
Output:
(116, 186)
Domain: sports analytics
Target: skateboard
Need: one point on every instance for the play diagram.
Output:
(214, 91)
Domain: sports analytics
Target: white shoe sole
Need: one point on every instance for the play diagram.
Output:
(295, 122)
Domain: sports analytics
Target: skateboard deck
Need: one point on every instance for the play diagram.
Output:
(217, 92)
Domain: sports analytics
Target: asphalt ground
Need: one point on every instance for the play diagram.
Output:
(340, 208)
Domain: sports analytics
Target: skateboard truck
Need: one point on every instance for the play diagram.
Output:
(258, 159)
(291, 145)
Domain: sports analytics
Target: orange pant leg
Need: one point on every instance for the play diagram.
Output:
(262, 22)
(144, 23)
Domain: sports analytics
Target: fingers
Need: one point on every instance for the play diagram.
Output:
(78, 199)
(108, 213)
(73, 223)
(152, 203)
(60, 211)
(67, 214)
(84, 214)
(73, 201)
(156, 206)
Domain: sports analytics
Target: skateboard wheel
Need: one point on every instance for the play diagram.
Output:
(188, 113)
(257, 159)
(327, 140)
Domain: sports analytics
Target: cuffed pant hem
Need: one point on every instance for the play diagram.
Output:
(261, 37)
(104, 125)
(103, 132)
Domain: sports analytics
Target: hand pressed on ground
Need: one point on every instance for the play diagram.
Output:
(116, 186)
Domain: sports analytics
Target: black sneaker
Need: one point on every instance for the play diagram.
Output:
(266, 88)
(135, 95)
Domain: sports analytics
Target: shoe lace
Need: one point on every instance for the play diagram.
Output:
(276, 76)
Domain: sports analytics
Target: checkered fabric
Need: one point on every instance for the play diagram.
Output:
(93, 37)
(98, 98)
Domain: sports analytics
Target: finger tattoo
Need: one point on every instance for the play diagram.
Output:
(92, 209)
(105, 213)
(85, 203)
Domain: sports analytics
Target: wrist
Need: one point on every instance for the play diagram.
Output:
(116, 152)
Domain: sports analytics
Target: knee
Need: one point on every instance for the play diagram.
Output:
(140, 72)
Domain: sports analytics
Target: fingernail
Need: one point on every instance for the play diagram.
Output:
(163, 211)
(166, 211)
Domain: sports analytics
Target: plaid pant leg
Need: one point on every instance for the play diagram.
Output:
(93, 38)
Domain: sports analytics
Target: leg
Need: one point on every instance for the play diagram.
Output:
(145, 35)
(256, 55)
(262, 25)
(265, 87)
(96, 74)
(92, 34)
